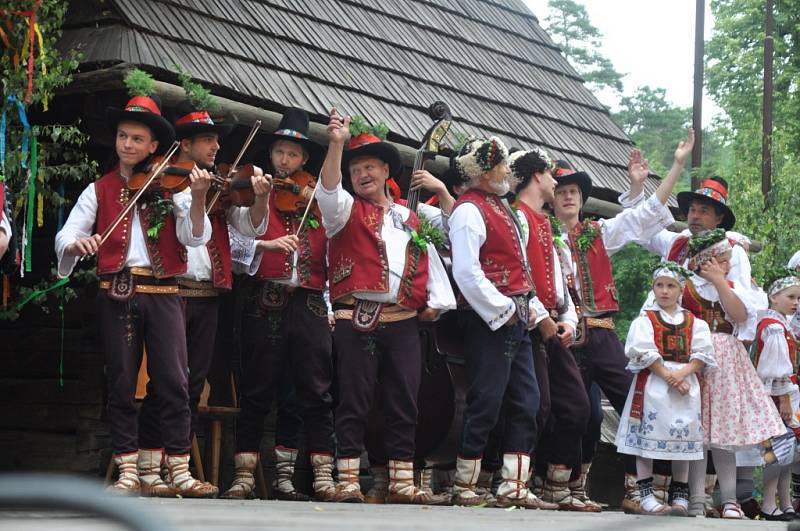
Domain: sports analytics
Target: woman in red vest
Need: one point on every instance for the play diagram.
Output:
(667, 347)
(138, 303)
(776, 365)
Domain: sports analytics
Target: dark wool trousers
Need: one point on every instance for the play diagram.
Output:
(201, 328)
(500, 376)
(294, 337)
(155, 322)
(563, 423)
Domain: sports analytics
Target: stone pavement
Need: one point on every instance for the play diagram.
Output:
(225, 515)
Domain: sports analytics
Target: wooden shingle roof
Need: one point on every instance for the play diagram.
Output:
(489, 60)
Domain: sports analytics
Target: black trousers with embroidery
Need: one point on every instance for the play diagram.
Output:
(155, 322)
(285, 334)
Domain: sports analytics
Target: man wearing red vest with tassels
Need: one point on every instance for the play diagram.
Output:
(384, 277)
(208, 273)
(591, 243)
(138, 303)
(285, 329)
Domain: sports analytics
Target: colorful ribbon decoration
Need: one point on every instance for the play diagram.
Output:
(30, 207)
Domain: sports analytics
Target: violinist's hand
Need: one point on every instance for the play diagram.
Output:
(3, 242)
(565, 333)
(428, 314)
(286, 244)
(200, 182)
(548, 329)
(262, 184)
(84, 246)
(425, 180)
(257, 170)
(338, 128)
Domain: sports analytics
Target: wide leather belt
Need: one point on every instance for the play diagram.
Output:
(390, 313)
(601, 322)
(148, 288)
(196, 288)
(141, 271)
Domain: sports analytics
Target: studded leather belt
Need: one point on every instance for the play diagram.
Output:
(196, 288)
(148, 288)
(601, 322)
(390, 313)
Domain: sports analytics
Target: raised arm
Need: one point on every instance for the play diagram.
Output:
(338, 133)
(682, 153)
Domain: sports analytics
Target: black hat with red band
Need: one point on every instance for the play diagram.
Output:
(147, 111)
(712, 191)
(564, 174)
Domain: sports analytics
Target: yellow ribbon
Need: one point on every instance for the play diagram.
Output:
(45, 95)
(40, 198)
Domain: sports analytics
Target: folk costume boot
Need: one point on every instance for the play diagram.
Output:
(556, 490)
(578, 489)
(150, 481)
(324, 485)
(484, 487)
(464, 485)
(128, 482)
(402, 489)
(182, 481)
(679, 498)
(380, 485)
(631, 503)
(649, 504)
(423, 479)
(284, 475)
(348, 490)
(513, 491)
(244, 481)
(661, 487)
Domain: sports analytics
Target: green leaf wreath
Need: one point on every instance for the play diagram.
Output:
(589, 233)
(426, 234)
(359, 126)
(557, 228)
(706, 240)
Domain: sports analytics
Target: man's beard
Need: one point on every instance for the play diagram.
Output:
(500, 188)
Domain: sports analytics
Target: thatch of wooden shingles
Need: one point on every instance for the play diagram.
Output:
(490, 61)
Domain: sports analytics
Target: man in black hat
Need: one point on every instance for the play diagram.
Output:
(601, 357)
(382, 280)
(208, 273)
(138, 303)
(285, 329)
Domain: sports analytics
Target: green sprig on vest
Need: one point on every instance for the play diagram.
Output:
(359, 126)
(557, 228)
(311, 222)
(588, 234)
(426, 234)
(158, 208)
(200, 97)
(140, 83)
(706, 240)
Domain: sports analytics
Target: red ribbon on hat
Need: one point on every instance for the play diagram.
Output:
(561, 172)
(143, 102)
(713, 189)
(363, 139)
(194, 117)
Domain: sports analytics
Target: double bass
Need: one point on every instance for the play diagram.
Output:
(442, 393)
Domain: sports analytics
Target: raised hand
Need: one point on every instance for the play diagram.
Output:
(338, 128)
(638, 168)
(684, 149)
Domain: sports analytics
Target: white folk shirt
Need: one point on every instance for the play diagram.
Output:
(774, 365)
(635, 225)
(467, 236)
(336, 205)
(81, 220)
(199, 262)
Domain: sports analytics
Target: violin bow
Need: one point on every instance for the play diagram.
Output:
(305, 214)
(250, 137)
(439, 111)
(132, 202)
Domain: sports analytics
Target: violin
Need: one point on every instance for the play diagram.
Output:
(233, 187)
(293, 192)
(174, 177)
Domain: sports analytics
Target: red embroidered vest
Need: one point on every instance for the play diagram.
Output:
(502, 257)
(219, 251)
(679, 250)
(598, 290)
(167, 255)
(540, 255)
(710, 312)
(790, 340)
(674, 342)
(277, 265)
(358, 261)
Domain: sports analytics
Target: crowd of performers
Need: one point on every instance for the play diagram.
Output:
(528, 278)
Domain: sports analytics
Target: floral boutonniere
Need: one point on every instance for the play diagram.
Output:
(557, 228)
(158, 208)
(426, 234)
(588, 233)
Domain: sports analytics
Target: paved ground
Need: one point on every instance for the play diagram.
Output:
(191, 515)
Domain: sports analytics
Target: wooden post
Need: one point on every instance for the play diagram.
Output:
(697, 104)
(766, 143)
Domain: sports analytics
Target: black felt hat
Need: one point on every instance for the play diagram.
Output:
(190, 121)
(145, 110)
(369, 145)
(714, 191)
(565, 174)
(294, 126)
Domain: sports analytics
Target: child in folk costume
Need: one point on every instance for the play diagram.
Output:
(737, 412)
(776, 365)
(667, 346)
